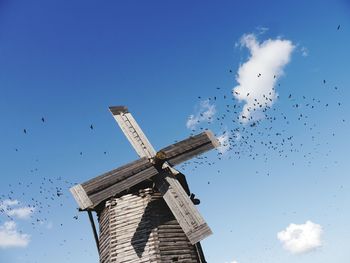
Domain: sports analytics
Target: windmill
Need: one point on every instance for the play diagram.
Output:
(145, 210)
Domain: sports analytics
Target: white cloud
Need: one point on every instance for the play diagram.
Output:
(205, 113)
(10, 237)
(258, 76)
(302, 238)
(8, 202)
(9, 207)
(22, 212)
(232, 261)
(224, 143)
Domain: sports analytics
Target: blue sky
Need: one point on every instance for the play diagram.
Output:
(67, 62)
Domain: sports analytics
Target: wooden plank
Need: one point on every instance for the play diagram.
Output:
(187, 215)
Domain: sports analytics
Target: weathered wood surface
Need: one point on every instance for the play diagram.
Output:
(186, 149)
(182, 207)
(113, 182)
(140, 228)
(174, 195)
(91, 193)
(132, 131)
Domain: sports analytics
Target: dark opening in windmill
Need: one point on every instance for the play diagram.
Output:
(145, 209)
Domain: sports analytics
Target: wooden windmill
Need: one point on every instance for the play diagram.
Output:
(145, 210)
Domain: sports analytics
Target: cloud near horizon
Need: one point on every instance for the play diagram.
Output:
(11, 237)
(257, 77)
(299, 239)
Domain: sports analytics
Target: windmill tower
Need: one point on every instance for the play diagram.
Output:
(145, 210)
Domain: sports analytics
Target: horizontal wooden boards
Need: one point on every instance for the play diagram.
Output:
(139, 227)
(188, 148)
(113, 182)
(186, 214)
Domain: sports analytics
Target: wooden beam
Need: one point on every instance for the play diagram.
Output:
(184, 150)
(89, 194)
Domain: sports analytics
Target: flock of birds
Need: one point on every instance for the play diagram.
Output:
(251, 137)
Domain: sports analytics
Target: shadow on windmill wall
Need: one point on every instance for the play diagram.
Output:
(156, 213)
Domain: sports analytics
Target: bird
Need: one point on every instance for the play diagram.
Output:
(91, 127)
(338, 27)
(25, 131)
(43, 119)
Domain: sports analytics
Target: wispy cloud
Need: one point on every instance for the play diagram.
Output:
(224, 143)
(204, 113)
(258, 76)
(11, 237)
(302, 238)
(304, 51)
(12, 208)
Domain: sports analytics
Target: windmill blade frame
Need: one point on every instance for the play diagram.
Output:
(178, 201)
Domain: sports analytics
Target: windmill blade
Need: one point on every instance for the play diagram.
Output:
(173, 193)
(94, 191)
(186, 149)
(186, 214)
(91, 193)
(132, 131)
